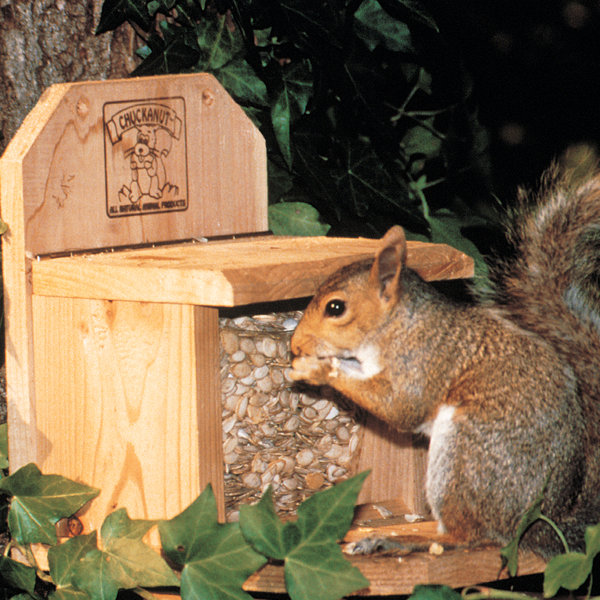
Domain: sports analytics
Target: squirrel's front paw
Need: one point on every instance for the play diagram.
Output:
(313, 369)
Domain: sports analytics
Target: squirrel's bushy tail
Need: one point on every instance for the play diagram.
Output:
(552, 286)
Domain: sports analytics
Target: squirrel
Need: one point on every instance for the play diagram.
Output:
(507, 388)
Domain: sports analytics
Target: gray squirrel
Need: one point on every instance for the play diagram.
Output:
(507, 389)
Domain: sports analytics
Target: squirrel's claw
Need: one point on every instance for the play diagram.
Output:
(312, 369)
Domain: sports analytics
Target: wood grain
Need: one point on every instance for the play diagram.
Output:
(227, 273)
(394, 575)
(116, 403)
(69, 166)
(397, 464)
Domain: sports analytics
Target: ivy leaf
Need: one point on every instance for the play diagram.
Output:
(116, 12)
(568, 570)
(217, 42)
(125, 562)
(215, 557)
(291, 102)
(419, 13)
(296, 218)
(280, 181)
(182, 536)
(314, 566)
(328, 514)
(375, 26)
(422, 140)
(63, 560)
(3, 444)
(281, 116)
(592, 540)
(366, 185)
(319, 571)
(446, 228)
(434, 592)
(572, 569)
(263, 529)
(68, 594)
(39, 501)
(17, 575)
(240, 80)
(162, 56)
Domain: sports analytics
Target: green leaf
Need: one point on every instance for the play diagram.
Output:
(240, 80)
(319, 571)
(63, 558)
(118, 526)
(265, 532)
(419, 13)
(592, 540)
(216, 559)
(314, 566)
(281, 116)
(16, 575)
(295, 218)
(280, 182)
(422, 140)
(3, 444)
(218, 44)
(568, 570)
(328, 514)
(363, 184)
(220, 568)
(434, 592)
(446, 228)
(124, 562)
(572, 569)
(39, 501)
(68, 593)
(182, 536)
(290, 102)
(375, 26)
(262, 37)
(167, 56)
(116, 12)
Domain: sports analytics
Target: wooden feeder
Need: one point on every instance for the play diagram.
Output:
(110, 191)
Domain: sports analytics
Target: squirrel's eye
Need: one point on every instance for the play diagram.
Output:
(335, 308)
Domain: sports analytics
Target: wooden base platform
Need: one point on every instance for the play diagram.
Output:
(397, 573)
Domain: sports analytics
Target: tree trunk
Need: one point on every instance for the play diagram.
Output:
(50, 41)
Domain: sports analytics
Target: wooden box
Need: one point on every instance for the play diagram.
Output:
(111, 191)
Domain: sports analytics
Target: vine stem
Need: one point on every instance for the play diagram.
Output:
(145, 594)
(485, 593)
(558, 532)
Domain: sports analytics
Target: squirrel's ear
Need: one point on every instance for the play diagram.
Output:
(389, 262)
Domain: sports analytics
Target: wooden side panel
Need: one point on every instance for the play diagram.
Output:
(397, 464)
(116, 403)
(16, 271)
(208, 385)
(139, 160)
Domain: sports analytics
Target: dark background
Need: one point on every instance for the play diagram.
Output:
(535, 69)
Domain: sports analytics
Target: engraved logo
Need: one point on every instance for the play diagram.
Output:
(145, 156)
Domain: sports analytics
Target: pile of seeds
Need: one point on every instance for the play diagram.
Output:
(297, 441)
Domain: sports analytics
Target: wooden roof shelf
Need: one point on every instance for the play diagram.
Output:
(226, 273)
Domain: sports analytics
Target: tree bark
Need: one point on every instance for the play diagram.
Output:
(50, 41)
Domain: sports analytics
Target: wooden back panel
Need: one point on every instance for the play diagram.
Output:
(134, 161)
